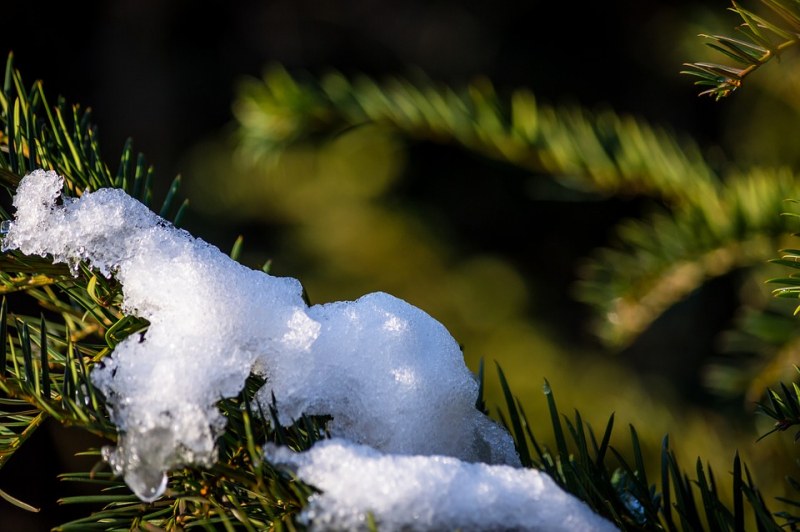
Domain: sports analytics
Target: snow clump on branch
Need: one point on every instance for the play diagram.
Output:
(390, 376)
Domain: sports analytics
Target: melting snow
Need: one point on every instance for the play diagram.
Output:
(391, 376)
(429, 493)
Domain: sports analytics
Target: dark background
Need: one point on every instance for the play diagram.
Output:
(165, 73)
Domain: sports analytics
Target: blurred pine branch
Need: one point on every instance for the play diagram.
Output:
(698, 225)
(600, 152)
(701, 226)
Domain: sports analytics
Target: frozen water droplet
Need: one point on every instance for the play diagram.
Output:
(143, 457)
(74, 265)
(147, 483)
(5, 226)
(85, 394)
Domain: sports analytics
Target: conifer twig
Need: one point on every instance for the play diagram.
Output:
(763, 40)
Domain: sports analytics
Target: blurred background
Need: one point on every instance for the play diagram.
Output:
(488, 249)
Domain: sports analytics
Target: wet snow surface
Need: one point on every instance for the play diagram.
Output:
(392, 378)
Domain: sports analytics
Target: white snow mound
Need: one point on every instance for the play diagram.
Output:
(429, 493)
(391, 376)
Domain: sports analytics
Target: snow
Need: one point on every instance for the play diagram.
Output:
(391, 376)
(429, 493)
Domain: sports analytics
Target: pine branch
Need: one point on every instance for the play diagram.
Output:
(627, 494)
(52, 376)
(82, 320)
(661, 259)
(45, 361)
(241, 491)
(603, 152)
(760, 350)
(763, 40)
(790, 258)
(784, 408)
(708, 231)
(62, 138)
(18, 416)
(705, 226)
